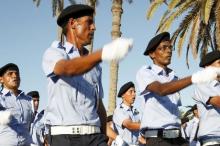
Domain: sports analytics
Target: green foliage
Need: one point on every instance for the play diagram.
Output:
(201, 23)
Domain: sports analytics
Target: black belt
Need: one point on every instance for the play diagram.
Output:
(163, 133)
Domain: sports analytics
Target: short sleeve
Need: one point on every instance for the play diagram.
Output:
(144, 77)
(50, 58)
(203, 92)
(119, 116)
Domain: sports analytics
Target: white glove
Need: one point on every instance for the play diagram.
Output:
(117, 49)
(5, 117)
(119, 141)
(206, 75)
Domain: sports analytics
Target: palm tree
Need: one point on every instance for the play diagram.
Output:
(116, 23)
(57, 7)
(201, 24)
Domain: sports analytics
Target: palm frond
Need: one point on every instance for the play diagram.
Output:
(174, 37)
(200, 41)
(217, 18)
(187, 56)
(214, 38)
(92, 3)
(207, 6)
(194, 36)
(185, 23)
(60, 5)
(204, 48)
(182, 38)
(174, 15)
(154, 5)
(173, 4)
(54, 7)
(209, 36)
(162, 19)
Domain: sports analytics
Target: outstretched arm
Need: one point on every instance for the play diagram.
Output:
(77, 65)
(206, 75)
(163, 89)
(116, 50)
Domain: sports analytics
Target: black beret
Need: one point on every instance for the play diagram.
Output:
(9, 66)
(34, 94)
(155, 41)
(209, 58)
(74, 11)
(124, 88)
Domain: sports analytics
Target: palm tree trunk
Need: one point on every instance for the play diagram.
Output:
(116, 23)
(59, 29)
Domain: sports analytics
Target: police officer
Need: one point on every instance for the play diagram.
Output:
(75, 112)
(207, 97)
(191, 127)
(38, 129)
(159, 88)
(114, 138)
(35, 100)
(15, 107)
(126, 118)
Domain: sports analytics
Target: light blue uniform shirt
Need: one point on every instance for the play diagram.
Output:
(38, 129)
(72, 100)
(16, 133)
(121, 113)
(209, 126)
(158, 111)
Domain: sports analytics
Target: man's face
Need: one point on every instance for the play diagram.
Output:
(11, 79)
(162, 54)
(84, 29)
(129, 96)
(35, 101)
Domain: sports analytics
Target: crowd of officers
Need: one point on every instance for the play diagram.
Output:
(75, 114)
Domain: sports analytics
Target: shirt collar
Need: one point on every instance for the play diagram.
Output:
(6, 92)
(67, 47)
(159, 70)
(124, 106)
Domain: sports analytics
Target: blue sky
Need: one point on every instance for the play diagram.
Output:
(27, 31)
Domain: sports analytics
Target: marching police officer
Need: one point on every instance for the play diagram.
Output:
(207, 97)
(76, 114)
(126, 118)
(35, 101)
(15, 109)
(159, 88)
